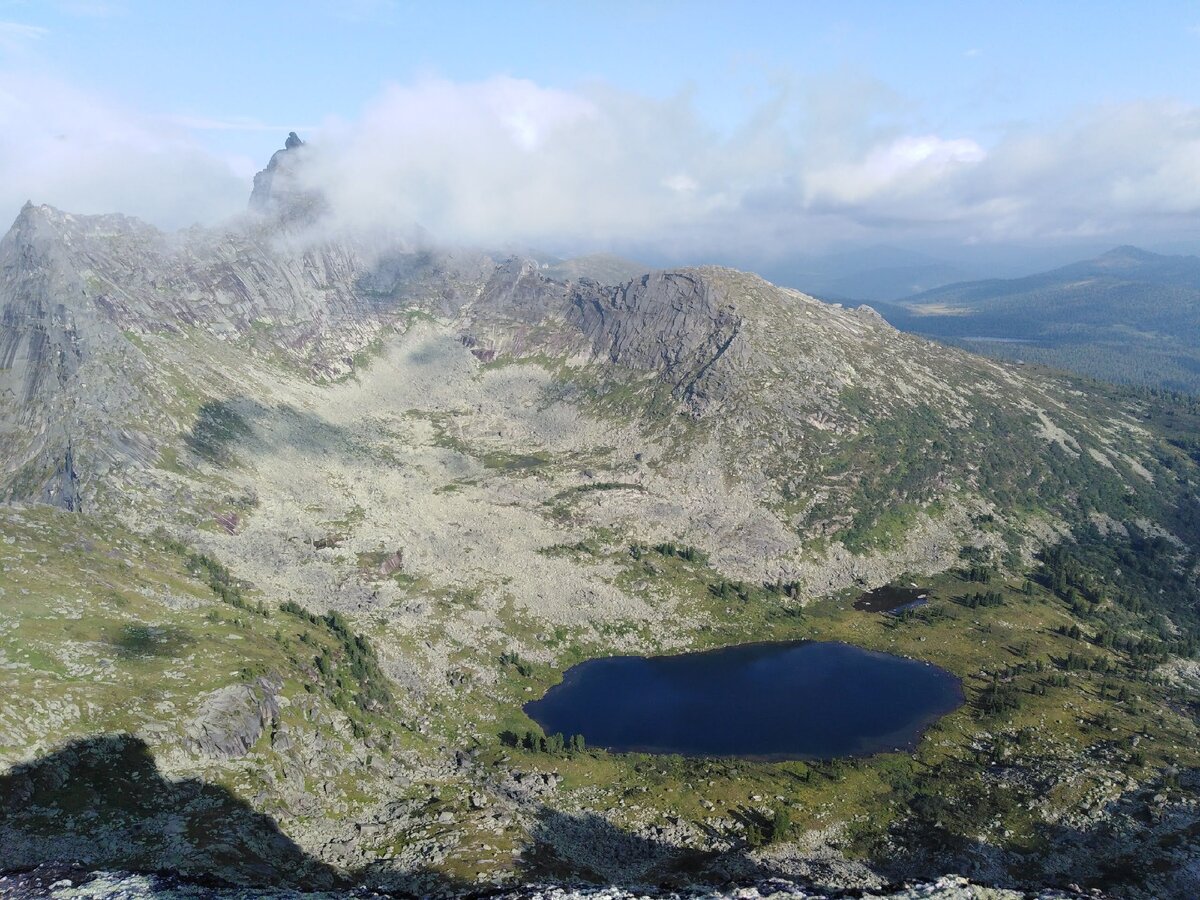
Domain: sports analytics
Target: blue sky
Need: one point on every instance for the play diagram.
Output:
(938, 125)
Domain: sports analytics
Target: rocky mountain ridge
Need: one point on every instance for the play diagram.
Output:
(298, 520)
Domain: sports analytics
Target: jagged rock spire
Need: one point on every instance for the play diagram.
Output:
(277, 189)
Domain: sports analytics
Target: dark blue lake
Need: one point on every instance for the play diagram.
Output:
(795, 700)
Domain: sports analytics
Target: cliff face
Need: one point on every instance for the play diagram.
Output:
(678, 324)
(40, 345)
(140, 279)
(77, 291)
(79, 294)
(49, 335)
(83, 298)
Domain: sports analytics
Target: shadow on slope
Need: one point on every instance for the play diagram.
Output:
(224, 426)
(218, 425)
(1144, 847)
(586, 847)
(1144, 844)
(101, 802)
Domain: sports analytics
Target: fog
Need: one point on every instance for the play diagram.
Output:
(832, 164)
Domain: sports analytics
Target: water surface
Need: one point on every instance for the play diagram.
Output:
(891, 598)
(794, 700)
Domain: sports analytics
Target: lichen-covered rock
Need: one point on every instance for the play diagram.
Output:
(230, 720)
(67, 883)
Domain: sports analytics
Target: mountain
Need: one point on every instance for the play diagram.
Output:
(603, 267)
(1127, 316)
(873, 274)
(298, 519)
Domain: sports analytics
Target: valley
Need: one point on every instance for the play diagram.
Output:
(298, 522)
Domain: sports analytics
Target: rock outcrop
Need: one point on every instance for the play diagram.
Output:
(678, 324)
(63, 882)
(230, 720)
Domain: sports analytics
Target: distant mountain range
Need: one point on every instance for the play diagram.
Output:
(878, 273)
(1128, 316)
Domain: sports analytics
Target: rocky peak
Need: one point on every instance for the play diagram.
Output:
(31, 224)
(517, 290)
(279, 190)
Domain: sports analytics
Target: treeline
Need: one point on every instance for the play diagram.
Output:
(371, 691)
(670, 549)
(762, 830)
(891, 488)
(512, 658)
(998, 697)
(1006, 688)
(215, 575)
(1144, 652)
(1124, 585)
(553, 744)
(984, 599)
(728, 589)
(221, 582)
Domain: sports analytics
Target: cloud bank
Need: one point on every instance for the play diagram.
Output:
(510, 160)
(507, 162)
(82, 153)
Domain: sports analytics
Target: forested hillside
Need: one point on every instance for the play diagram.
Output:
(1127, 316)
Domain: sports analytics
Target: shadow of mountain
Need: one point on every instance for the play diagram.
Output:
(224, 427)
(1142, 846)
(218, 425)
(100, 802)
(574, 848)
(585, 847)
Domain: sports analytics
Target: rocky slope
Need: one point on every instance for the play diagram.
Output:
(61, 884)
(320, 511)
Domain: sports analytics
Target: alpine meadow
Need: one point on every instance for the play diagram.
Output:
(433, 501)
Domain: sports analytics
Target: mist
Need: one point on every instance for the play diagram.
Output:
(86, 154)
(827, 164)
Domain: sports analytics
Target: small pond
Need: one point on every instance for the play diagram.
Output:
(891, 598)
(794, 700)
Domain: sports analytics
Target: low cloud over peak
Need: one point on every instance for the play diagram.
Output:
(508, 161)
(83, 153)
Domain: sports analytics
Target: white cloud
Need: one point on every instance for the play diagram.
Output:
(509, 162)
(908, 166)
(16, 36)
(681, 183)
(69, 148)
(1115, 170)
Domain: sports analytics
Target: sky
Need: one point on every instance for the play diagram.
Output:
(746, 133)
